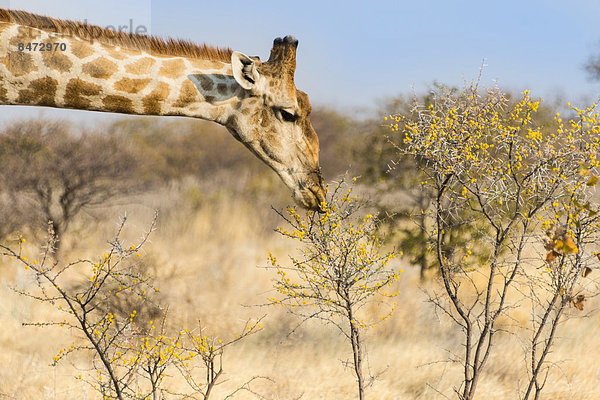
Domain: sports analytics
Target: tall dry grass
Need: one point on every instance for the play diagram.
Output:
(208, 256)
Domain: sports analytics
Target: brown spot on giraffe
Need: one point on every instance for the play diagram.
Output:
(19, 63)
(131, 85)
(206, 83)
(187, 95)
(152, 102)
(236, 91)
(172, 68)
(76, 92)
(222, 88)
(24, 35)
(80, 48)
(117, 55)
(100, 68)
(39, 92)
(56, 59)
(141, 66)
(118, 104)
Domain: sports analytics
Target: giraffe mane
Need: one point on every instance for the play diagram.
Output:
(153, 44)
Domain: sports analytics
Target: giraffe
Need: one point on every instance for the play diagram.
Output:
(68, 64)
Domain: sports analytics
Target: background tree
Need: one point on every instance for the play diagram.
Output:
(397, 181)
(483, 155)
(401, 197)
(592, 66)
(60, 171)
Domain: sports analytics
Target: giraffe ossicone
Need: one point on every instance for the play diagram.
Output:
(68, 64)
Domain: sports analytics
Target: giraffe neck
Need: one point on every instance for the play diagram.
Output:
(90, 75)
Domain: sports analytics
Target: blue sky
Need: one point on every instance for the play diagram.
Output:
(353, 53)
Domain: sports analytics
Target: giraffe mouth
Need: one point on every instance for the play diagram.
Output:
(308, 190)
(319, 194)
(310, 197)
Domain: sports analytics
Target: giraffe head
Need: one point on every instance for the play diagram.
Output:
(274, 120)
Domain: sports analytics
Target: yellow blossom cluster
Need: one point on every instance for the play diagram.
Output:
(341, 261)
(492, 165)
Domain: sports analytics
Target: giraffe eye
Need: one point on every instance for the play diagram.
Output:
(287, 116)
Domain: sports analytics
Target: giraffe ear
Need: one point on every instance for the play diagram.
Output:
(244, 70)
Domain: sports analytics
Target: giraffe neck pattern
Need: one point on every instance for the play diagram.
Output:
(91, 75)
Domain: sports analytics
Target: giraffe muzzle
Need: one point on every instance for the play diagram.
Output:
(319, 194)
(311, 197)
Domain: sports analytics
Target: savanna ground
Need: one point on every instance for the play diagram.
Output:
(208, 257)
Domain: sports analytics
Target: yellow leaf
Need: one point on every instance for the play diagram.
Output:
(578, 302)
(593, 180)
(569, 246)
(551, 256)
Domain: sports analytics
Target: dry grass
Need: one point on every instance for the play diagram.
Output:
(208, 256)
